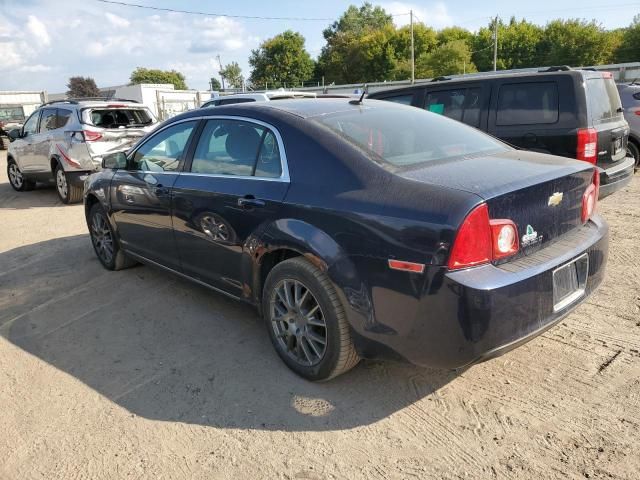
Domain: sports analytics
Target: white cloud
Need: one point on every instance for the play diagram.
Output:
(38, 31)
(35, 68)
(117, 21)
(434, 15)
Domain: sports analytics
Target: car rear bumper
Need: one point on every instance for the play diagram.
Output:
(471, 315)
(616, 177)
(77, 178)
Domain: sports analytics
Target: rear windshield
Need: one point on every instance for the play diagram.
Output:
(117, 117)
(401, 137)
(604, 100)
(11, 113)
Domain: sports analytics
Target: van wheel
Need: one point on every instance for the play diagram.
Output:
(306, 321)
(67, 192)
(16, 178)
(634, 151)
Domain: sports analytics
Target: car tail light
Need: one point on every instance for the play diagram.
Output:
(481, 240)
(590, 197)
(607, 75)
(587, 145)
(90, 136)
(504, 236)
(637, 112)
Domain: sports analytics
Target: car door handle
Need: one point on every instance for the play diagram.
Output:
(249, 201)
(161, 190)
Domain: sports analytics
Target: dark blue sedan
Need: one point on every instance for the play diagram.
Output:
(358, 229)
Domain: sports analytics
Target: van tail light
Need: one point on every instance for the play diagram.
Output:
(587, 145)
(590, 197)
(481, 240)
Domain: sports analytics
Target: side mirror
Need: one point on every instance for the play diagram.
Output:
(114, 161)
(14, 134)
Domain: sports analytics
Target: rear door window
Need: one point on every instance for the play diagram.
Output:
(402, 99)
(49, 120)
(604, 100)
(527, 103)
(31, 125)
(63, 117)
(462, 104)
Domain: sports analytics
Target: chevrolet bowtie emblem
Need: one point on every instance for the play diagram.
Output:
(555, 199)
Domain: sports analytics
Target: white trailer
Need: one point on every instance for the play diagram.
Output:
(15, 107)
(163, 99)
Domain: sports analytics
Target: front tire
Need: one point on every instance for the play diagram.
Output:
(67, 192)
(306, 321)
(16, 178)
(104, 241)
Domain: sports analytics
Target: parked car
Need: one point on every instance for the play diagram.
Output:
(630, 96)
(11, 117)
(66, 140)
(566, 112)
(256, 97)
(357, 229)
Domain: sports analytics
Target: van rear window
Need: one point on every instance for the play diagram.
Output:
(527, 103)
(604, 99)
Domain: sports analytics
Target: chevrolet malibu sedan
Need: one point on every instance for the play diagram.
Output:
(359, 229)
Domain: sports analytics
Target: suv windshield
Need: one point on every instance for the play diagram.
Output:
(11, 113)
(117, 117)
(401, 137)
(604, 100)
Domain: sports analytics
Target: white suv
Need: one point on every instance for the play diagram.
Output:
(256, 97)
(66, 140)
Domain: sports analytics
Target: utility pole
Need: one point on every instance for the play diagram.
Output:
(495, 44)
(220, 72)
(413, 63)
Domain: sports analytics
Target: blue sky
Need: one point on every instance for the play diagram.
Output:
(44, 42)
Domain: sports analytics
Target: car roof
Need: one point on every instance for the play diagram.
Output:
(92, 103)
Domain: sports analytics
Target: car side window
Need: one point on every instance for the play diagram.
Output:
(31, 125)
(164, 150)
(462, 104)
(48, 120)
(234, 147)
(527, 103)
(402, 99)
(63, 117)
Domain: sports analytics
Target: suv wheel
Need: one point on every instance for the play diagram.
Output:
(16, 178)
(105, 242)
(67, 192)
(306, 321)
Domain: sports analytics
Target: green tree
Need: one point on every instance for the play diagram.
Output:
(450, 34)
(281, 60)
(519, 44)
(232, 73)
(214, 83)
(82, 87)
(629, 48)
(424, 40)
(150, 75)
(359, 47)
(577, 43)
(448, 59)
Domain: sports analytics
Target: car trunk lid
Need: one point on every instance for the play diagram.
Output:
(541, 194)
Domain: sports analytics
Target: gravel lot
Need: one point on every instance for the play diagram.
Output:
(138, 374)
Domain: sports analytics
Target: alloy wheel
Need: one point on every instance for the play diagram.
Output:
(61, 183)
(15, 176)
(298, 322)
(101, 237)
(215, 228)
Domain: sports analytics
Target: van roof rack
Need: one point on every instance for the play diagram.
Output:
(440, 79)
(558, 68)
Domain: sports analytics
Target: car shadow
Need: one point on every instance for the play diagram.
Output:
(44, 195)
(166, 349)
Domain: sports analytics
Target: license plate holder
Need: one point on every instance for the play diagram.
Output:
(570, 282)
(617, 145)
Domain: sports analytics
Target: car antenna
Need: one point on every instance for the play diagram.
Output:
(359, 101)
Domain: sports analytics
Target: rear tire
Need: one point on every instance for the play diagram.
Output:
(306, 321)
(67, 192)
(104, 241)
(634, 150)
(4, 143)
(16, 178)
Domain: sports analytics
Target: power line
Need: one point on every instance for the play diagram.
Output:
(209, 14)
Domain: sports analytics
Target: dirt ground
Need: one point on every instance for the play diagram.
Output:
(138, 374)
